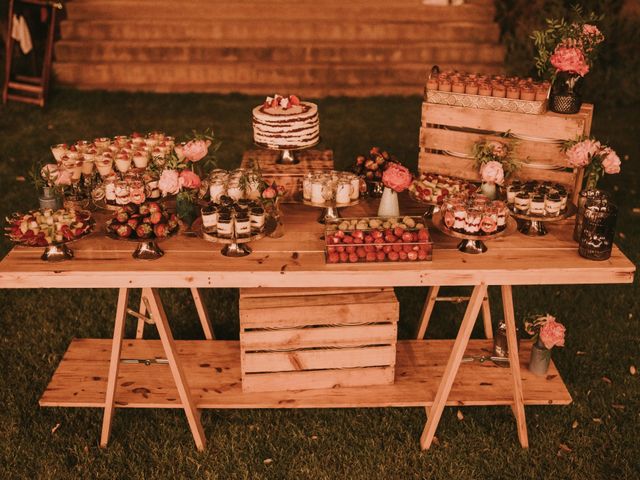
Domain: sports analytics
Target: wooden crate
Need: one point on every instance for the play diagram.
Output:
(300, 339)
(288, 176)
(456, 129)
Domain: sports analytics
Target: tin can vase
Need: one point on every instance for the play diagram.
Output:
(540, 359)
(49, 199)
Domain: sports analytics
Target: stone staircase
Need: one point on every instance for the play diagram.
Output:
(311, 47)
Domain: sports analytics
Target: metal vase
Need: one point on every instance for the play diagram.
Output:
(49, 199)
(540, 359)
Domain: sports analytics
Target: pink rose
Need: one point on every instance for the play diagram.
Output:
(552, 333)
(397, 177)
(592, 31)
(498, 149)
(569, 59)
(189, 179)
(269, 193)
(63, 177)
(492, 172)
(196, 150)
(581, 153)
(49, 172)
(169, 182)
(610, 161)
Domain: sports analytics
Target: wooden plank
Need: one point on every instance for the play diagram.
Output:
(453, 364)
(427, 311)
(486, 318)
(318, 359)
(289, 292)
(319, 337)
(514, 365)
(463, 142)
(548, 125)
(213, 369)
(203, 315)
(319, 379)
(386, 296)
(114, 364)
(464, 168)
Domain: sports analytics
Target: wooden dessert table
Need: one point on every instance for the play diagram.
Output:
(206, 374)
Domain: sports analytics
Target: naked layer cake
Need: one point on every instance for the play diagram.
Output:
(286, 123)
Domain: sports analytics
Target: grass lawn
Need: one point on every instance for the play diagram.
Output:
(598, 433)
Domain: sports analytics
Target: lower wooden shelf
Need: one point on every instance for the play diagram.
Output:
(213, 372)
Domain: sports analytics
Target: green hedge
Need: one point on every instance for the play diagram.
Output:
(614, 77)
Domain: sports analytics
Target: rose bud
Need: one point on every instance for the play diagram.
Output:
(153, 207)
(144, 209)
(122, 216)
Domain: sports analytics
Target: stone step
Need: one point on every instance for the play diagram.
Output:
(255, 78)
(276, 31)
(356, 53)
(290, 11)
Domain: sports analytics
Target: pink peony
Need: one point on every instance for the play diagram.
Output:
(196, 150)
(552, 333)
(189, 179)
(63, 177)
(269, 193)
(49, 172)
(498, 149)
(397, 177)
(592, 31)
(569, 59)
(580, 154)
(169, 183)
(610, 161)
(492, 172)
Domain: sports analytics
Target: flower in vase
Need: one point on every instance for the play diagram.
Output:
(580, 154)
(269, 193)
(492, 172)
(196, 150)
(552, 333)
(397, 177)
(189, 179)
(593, 32)
(569, 59)
(169, 182)
(610, 161)
(179, 150)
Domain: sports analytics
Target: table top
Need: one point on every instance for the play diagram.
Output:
(297, 260)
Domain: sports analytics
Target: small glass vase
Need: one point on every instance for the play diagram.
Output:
(277, 216)
(540, 359)
(389, 206)
(488, 189)
(565, 97)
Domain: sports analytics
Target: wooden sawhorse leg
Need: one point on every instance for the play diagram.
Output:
(203, 316)
(475, 302)
(430, 303)
(151, 297)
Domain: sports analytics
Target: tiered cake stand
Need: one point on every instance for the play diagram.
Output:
(287, 155)
(533, 225)
(473, 244)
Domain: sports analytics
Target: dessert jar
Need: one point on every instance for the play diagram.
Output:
(522, 203)
(444, 85)
(123, 162)
(343, 191)
(471, 88)
(257, 217)
(122, 192)
(137, 192)
(140, 159)
(224, 225)
(306, 186)
(242, 224)
(217, 188)
(317, 186)
(458, 87)
(234, 190)
(209, 218)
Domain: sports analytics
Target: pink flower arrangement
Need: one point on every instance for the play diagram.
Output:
(569, 59)
(196, 150)
(552, 333)
(269, 193)
(581, 153)
(597, 159)
(546, 330)
(189, 179)
(169, 182)
(397, 177)
(492, 172)
(63, 178)
(498, 149)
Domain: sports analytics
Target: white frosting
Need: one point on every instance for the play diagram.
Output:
(295, 127)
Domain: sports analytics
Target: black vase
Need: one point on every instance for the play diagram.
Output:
(565, 94)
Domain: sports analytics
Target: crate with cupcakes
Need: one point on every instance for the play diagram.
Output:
(450, 134)
(309, 338)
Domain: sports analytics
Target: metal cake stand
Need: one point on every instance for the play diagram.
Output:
(237, 247)
(287, 155)
(533, 225)
(473, 244)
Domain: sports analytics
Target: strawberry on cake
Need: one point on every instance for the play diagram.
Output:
(286, 123)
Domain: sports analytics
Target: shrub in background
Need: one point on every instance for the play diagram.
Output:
(614, 76)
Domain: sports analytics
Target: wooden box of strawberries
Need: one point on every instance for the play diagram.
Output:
(376, 239)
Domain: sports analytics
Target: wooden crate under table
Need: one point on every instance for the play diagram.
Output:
(298, 339)
(288, 176)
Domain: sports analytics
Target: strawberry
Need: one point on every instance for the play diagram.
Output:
(133, 223)
(413, 256)
(294, 100)
(380, 256)
(333, 257)
(144, 230)
(66, 232)
(371, 257)
(350, 249)
(154, 207)
(398, 231)
(155, 217)
(353, 258)
(423, 234)
(160, 230)
(124, 231)
(407, 237)
(393, 256)
(344, 257)
(360, 252)
(403, 255)
(122, 216)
